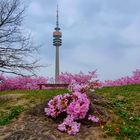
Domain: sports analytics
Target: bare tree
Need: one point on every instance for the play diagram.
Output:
(16, 49)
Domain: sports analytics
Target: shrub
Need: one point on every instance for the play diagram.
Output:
(19, 82)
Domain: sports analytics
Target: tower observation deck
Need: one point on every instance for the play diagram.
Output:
(57, 42)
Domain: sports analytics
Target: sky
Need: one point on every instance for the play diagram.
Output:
(102, 35)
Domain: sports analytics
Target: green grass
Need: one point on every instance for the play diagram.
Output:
(11, 108)
(125, 113)
(34, 92)
(14, 113)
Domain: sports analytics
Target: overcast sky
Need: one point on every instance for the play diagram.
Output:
(97, 34)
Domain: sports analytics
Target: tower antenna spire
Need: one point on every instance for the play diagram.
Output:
(57, 17)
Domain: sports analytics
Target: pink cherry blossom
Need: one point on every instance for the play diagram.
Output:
(134, 79)
(19, 82)
(79, 78)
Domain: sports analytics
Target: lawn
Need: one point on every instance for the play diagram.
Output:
(125, 112)
(124, 122)
(12, 103)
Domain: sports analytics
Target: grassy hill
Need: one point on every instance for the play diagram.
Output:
(125, 113)
(22, 100)
(124, 122)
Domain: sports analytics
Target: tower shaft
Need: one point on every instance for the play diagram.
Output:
(57, 42)
(57, 65)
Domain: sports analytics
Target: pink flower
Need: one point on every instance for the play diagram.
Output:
(93, 118)
(79, 107)
(57, 105)
(62, 127)
(69, 126)
(74, 128)
(134, 79)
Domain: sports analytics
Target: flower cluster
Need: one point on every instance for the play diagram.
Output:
(75, 105)
(89, 79)
(19, 82)
(76, 81)
(57, 105)
(79, 107)
(70, 126)
(134, 79)
(79, 78)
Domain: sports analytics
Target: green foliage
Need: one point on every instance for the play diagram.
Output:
(14, 113)
(30, 98)
(125, 121)
(121, 90)
(125, 132)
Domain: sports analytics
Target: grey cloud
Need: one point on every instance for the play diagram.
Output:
(97, 34)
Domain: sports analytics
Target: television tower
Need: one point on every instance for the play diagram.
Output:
(57, 42)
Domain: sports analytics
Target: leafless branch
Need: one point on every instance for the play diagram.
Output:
(16, 50)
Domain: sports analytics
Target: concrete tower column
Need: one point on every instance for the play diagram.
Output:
(57, 42)
(57, 64)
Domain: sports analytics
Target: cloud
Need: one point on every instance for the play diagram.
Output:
(97, 34)
(132, 33)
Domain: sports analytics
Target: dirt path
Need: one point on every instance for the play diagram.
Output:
(41, 128)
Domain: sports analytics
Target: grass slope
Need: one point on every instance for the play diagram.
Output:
(12, 103)
(124, 113)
